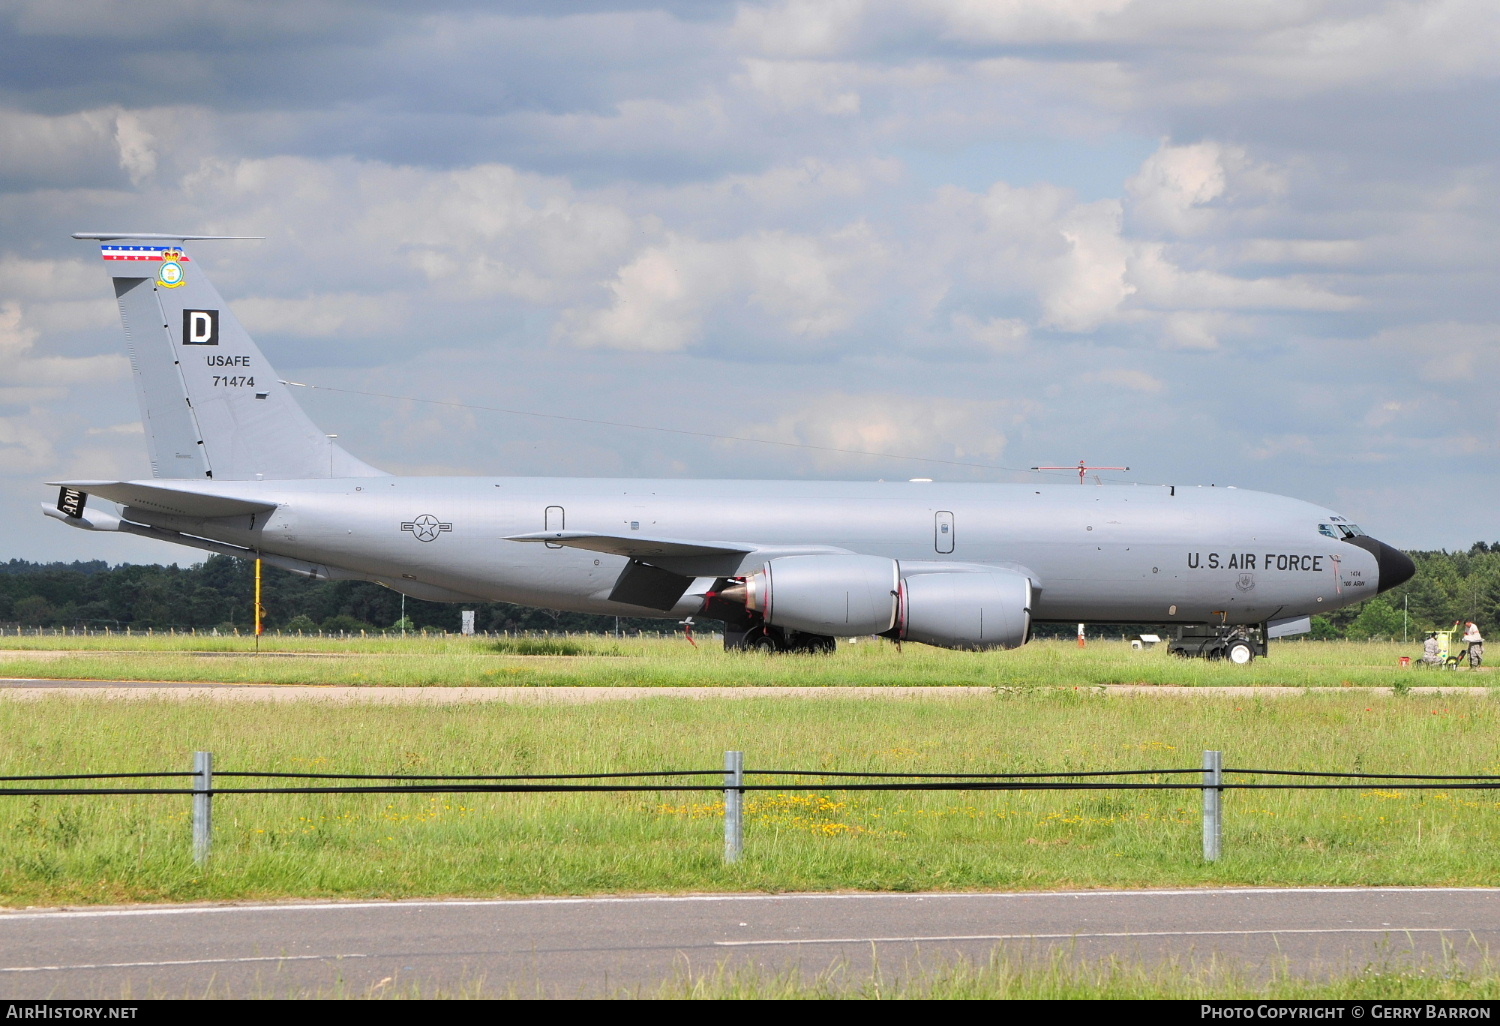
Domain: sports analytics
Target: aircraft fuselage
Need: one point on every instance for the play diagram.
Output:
(1105, 554)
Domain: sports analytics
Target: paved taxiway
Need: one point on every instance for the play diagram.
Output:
(594, 946)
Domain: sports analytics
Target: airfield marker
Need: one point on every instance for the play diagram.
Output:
(734, 799)
(1213, 796)
(258, 610)
(203, 782)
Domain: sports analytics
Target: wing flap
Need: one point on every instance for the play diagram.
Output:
(173, 501)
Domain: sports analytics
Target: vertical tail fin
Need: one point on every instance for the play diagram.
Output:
(212, 406)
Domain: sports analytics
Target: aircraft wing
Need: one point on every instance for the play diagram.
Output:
(633, 545)
(173, 501)
(678, 555)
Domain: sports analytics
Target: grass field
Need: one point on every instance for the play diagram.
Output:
(1004, 976)
(116, 849)
(607, 662)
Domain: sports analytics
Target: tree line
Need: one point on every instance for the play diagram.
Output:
(219, 592)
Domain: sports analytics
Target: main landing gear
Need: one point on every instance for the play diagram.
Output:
(1238, 645)
(746, 630)
(763, 637)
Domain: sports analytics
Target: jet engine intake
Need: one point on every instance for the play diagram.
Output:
(824, 594)
(972, 611)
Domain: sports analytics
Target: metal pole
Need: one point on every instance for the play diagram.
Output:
(734, 805)
(1213, 811)
(203, 823)
(258, 627)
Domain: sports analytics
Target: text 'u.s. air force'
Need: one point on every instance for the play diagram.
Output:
(1256, 561)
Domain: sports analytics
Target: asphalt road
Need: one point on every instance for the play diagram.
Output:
(600, 946)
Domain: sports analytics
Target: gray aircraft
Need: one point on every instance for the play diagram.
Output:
(240, 469)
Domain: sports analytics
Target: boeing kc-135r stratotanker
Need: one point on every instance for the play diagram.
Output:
(240, 469)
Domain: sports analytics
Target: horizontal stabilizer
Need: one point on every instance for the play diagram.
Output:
(175, 502)
(160, 237)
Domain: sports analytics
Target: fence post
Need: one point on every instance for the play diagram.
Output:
(203, 810)
(734, 805)
(1213, 807)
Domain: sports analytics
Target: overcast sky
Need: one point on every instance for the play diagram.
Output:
(1247, 242)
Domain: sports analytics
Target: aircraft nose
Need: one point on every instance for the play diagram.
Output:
(1395, 566)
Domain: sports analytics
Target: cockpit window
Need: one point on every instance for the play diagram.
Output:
(1327, 529)
(1340, 531)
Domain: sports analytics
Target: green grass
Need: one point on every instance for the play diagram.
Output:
(608, 662)
(116, 849)
(1006, 976)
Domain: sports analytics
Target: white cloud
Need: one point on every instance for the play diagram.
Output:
(323, 316)
(810, 85)
(924, 205)
(18, 365)
(1446, 353)
(1163, 285)
(1198, 329)
(799, 27)
(1089, 283)
(40, 150)
(967, 431)
(24, 446)
(1002, 334)
(1192, 189)
(1130, 380)
(660, 301)
(1015, 21)
(137, 155)
(129, 428)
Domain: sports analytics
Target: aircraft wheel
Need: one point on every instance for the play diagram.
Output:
(1240, 653)
(817, 644)
(763, 641)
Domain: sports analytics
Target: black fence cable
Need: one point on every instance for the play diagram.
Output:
(99, 776)
(1362, 776)
(475, 776)
(822, 780)
(971, 776)
(957, 785)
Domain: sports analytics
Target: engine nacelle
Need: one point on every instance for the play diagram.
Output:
(826, 594)
(973, 611)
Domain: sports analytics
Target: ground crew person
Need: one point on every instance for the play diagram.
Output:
(1475, 641)
(1432, 650)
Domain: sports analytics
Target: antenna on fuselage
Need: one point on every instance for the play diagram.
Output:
(1083, 470)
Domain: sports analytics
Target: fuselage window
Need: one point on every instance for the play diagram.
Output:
(942, 530)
